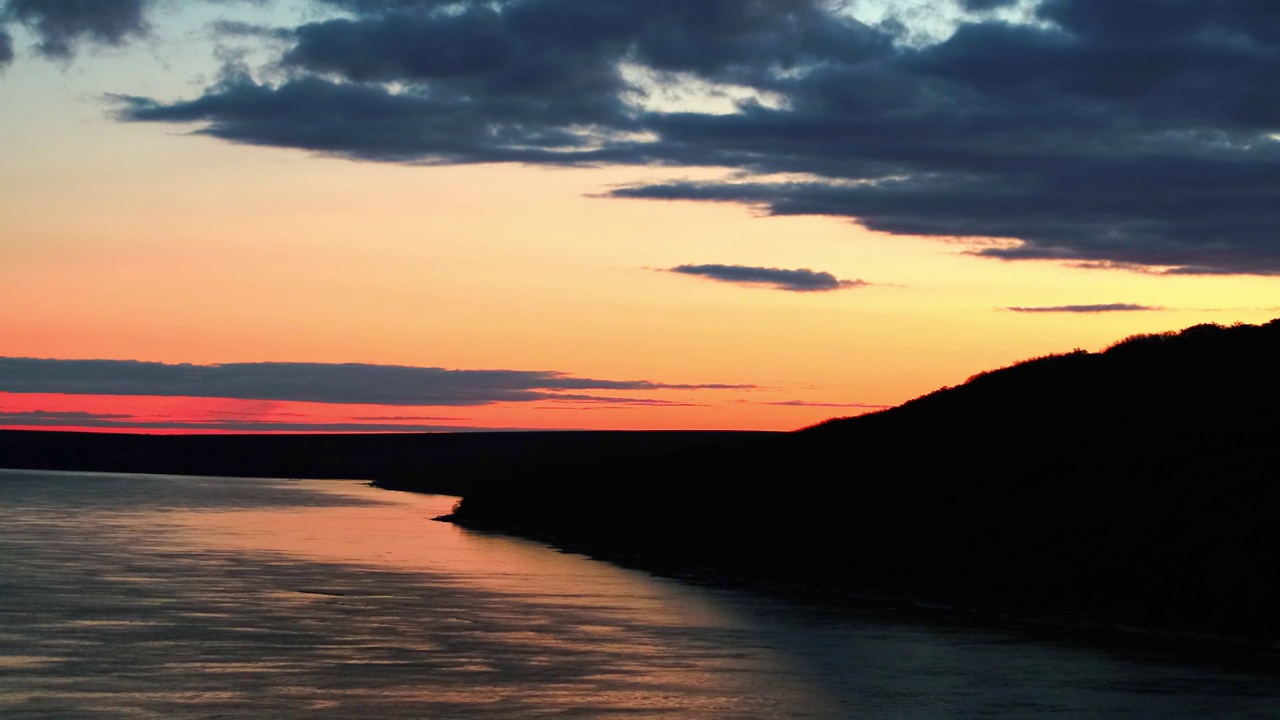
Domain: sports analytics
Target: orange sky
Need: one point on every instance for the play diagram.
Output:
(136, 242)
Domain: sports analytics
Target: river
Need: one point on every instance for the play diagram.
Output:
(137, 596)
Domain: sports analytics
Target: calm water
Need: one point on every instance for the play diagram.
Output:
(131, 596)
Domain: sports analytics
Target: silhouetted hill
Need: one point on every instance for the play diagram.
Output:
(1133, 486)
(425, 462)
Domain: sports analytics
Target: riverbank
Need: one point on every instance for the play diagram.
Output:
(1038, 624)
(1132, 489)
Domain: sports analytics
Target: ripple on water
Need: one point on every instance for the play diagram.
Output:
(147, 596)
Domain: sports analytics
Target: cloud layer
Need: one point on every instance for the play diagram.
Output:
(802, 280)
(1103, 308)
(1133, 133)
(62, 25)
(111, 421)
(313, 382)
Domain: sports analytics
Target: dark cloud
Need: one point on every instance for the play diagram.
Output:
(1109, 307)
(551, 41)
(235, 28)
(984, 5)
(103, 421)
(1131, 133)
(802, 280)
(6, 48)
(536, 82)
(47, 417)
(62, 25)
(308, 382)
(371, 122)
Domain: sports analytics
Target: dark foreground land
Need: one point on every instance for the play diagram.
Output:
(1133, 488)
(440, 463)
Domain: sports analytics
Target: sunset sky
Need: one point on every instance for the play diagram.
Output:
(336, 215)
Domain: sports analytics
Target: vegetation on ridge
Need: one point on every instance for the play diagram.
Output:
(1137, 485)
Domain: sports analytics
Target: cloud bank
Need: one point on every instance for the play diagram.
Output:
(62, 25)
(802, 280)
(1133, 133)
(1108, 307)
(312, 382)
(111, 421)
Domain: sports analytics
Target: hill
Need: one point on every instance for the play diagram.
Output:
(1135, 486)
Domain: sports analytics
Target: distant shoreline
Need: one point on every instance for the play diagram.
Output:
(442, 463)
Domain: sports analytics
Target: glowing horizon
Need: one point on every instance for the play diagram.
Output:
(705, 223)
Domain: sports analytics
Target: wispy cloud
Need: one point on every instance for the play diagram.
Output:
(802, 280)
(109, 421)
(313, 382)
(806, 403)
(1103, 308)
(49, 417)
(618, 401)
(400, 418)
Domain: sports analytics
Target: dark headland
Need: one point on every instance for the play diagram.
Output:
(1138, 487)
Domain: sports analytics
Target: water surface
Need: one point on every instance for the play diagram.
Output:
(134, 596)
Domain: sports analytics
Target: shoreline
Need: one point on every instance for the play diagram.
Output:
(1186, 645)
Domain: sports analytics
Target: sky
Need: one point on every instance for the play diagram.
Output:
(431, 215)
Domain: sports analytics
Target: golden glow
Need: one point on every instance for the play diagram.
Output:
(133, 242)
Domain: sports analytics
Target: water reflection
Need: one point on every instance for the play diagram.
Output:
(143, 596)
